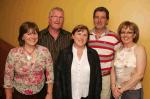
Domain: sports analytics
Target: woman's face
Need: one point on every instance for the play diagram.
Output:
(80, 38)
(127, 35)
(31, 37)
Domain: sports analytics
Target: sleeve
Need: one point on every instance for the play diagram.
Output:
(9, 71)
(58, 86)
(98, 77)
(118, 43)
(49, 67)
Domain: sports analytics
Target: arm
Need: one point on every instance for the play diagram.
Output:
(114, 88)
(49, 75)
(113, 77)
(49, 91)
(139, 71)
(117, 46)
(8, 92)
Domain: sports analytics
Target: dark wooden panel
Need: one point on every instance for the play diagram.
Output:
(4, 50)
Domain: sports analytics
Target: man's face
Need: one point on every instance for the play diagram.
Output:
(100, 20)
(56, 19)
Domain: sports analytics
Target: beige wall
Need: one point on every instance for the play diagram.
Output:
(14, 12)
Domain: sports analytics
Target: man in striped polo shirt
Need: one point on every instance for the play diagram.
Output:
(105, 42)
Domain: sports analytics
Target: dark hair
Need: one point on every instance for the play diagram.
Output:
(132, 26)
(101, 9)
(24, 29)
(79, 28)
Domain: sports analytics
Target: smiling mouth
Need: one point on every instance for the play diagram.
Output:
(80, 41)
(33, 40)
(125, 38)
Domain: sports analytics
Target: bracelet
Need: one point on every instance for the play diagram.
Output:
(113, 85)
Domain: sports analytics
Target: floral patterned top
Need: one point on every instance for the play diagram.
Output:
(26, 76)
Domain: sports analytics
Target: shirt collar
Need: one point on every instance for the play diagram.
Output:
(75, 49)
(61, 31)
(104, 33)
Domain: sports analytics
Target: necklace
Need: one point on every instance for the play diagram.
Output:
(29, 57)
(29, 54)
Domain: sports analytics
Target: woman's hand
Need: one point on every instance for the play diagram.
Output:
(49, 91)
(8, 92)
(48, 96)
(116, 92)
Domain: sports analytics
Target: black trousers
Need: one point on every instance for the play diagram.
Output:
(84, 98)
(40, 95)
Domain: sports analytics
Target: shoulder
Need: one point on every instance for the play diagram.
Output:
(44, 31)
(42, 48)
(92, 55)
(139, 48)
(91, 50)
(140, 51)
(65, 32)
(112, 34)
(16, 49)
(43, 51)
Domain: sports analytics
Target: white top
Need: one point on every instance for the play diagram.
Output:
(80, 75)
(125, 64)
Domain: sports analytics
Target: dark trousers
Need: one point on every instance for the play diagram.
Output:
(84, 98)
(40, 95)
(133, 94)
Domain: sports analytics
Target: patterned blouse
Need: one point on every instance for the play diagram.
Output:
(26, 76)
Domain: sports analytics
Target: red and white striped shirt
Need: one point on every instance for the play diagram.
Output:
(105, 46)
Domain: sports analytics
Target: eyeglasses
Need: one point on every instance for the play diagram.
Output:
(33, 33)
(57, 17)
(127, 33)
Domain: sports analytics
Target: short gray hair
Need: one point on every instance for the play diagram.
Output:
(56, 8)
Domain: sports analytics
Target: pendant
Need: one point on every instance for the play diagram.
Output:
(125, 66)
(29, 58)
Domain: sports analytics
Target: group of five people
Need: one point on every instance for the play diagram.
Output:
(79, 65)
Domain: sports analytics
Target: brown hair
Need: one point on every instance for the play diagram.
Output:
(79, 28)
(101, 9)
(132, 26)
(24, 29)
